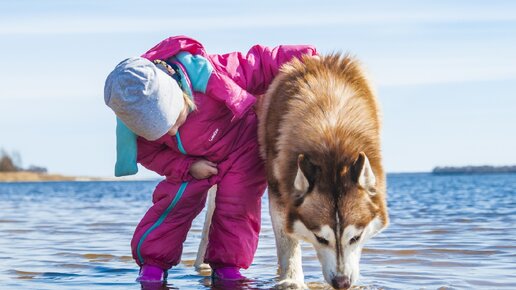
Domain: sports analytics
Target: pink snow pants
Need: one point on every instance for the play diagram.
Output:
(233, 237)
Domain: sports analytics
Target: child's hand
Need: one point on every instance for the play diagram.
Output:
(203, 168)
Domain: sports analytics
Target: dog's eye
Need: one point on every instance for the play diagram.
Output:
(321, 240)
(354, 239)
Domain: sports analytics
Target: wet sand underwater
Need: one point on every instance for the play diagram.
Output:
(446, 232)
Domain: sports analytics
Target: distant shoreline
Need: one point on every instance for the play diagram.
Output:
(474, 169)
(27, 176)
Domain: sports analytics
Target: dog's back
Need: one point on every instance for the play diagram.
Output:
(320, 105)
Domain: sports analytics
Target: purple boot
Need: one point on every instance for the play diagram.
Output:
(150, 273)
(228, 273)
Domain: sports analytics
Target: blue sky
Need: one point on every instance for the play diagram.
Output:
(444, 71)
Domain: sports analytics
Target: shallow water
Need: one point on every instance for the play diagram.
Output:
(446, 232)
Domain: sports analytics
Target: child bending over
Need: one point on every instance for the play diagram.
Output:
(191, 116)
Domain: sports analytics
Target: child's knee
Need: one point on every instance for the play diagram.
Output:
(162, 190)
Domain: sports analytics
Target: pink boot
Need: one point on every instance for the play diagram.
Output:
(150, 273)
(228, 273)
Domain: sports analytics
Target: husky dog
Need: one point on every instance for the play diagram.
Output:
(319, 131)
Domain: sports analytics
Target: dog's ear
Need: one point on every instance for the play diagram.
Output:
(362, 173)
(305, 177)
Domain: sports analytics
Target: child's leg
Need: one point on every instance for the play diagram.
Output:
(236, 220)
(158, 238)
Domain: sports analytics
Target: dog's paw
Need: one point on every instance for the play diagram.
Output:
(202, 267)
(290, 284)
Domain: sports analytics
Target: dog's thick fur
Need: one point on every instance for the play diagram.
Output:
(319, 131)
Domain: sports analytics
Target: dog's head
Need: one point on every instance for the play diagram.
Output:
(337, 207)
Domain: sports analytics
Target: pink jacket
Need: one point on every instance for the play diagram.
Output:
(224, 89)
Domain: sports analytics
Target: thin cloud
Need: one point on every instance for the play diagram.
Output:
(83, 24)
(426, 73)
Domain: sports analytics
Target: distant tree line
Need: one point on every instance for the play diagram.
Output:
(474, 169)
(7, 163)
(12, 163)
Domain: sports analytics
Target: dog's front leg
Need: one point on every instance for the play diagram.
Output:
(199, 261)
(288, 249)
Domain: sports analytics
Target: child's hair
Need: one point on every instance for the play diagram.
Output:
(189, 103)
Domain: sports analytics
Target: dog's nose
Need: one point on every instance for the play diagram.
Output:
(341, 282)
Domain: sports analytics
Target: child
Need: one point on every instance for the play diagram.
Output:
(192, 114)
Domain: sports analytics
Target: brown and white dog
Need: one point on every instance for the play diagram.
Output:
(319, 131)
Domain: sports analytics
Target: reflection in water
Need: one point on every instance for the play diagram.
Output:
(446, 232)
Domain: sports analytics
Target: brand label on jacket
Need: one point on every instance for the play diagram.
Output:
(214, 134)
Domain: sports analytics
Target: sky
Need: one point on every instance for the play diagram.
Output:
(444, 70)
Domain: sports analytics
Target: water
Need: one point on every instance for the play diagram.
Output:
(446, 232)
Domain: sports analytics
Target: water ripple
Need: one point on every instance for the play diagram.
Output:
(446, 232)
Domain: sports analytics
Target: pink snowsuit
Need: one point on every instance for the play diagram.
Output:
(222, 130)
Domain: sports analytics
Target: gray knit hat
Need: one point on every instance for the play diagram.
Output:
(146, 99)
